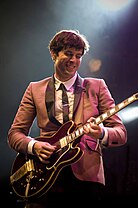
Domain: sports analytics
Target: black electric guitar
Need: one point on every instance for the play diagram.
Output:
(31, 178)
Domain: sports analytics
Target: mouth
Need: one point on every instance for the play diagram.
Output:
(70, 67)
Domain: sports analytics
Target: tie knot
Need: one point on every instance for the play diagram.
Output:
(62, 87)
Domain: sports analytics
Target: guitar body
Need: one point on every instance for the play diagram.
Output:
(32, 178)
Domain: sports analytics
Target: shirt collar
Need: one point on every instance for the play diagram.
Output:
(68, 84)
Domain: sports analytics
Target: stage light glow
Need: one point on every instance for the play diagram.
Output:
(129, 114)
(95, 65)
(114, 5)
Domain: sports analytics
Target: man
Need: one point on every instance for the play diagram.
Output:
(82, 173)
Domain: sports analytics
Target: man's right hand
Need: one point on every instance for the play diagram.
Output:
(43, 150)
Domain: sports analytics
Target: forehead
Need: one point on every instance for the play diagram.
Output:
(73, 50)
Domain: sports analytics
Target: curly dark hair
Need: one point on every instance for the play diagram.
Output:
(68, 39)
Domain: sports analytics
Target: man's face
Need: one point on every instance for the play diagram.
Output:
(67, 63)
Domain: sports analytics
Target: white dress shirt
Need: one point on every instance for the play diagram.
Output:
(58, 98)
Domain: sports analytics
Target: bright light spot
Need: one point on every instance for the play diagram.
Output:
(113, 5)
(129, 114)
(95, 65)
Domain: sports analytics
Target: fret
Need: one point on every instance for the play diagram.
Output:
(77, 133)
(112, 111)
(121, 105)
(109, 113)
(117, 108)
(97, 120)
(131, 99)
(81, 130)
(88, 125)
(126, 102)
(73, 136)
(69, 138)
(104, 116)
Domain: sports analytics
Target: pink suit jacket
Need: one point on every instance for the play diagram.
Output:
(92, 98)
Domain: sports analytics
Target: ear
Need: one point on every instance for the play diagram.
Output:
(53, 55)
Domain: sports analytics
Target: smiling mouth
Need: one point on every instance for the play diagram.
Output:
(71, 67)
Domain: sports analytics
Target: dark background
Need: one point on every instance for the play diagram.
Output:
(26, 26)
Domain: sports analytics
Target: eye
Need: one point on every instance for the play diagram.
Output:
(68, 53)
(78, 56)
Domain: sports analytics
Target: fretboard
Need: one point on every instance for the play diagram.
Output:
(79, 131)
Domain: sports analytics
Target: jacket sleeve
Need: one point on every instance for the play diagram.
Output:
(18, 138)
(117, 134)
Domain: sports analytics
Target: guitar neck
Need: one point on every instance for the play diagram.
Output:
(79, 131)
(116, 109)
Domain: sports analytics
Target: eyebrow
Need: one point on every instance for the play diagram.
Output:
(68, 50)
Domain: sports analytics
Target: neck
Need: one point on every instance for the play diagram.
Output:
(63, 79)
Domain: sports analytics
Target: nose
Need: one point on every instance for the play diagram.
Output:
(73, 58)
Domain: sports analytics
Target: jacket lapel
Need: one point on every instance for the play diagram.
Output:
(50, 102)
(77, 92)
